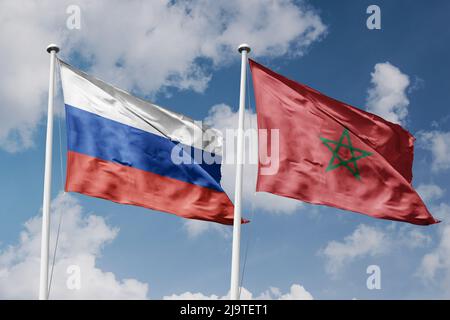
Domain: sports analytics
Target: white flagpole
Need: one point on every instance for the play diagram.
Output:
(244, 49)
(45, 240)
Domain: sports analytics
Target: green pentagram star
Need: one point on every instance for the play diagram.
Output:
(347, 163)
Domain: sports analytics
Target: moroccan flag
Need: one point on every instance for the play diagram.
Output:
(333, 154)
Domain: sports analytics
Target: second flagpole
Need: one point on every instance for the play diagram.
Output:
(244, 49)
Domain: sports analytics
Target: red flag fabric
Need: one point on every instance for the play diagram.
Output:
(333, 154)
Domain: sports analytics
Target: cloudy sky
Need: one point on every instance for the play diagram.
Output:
(182, 55)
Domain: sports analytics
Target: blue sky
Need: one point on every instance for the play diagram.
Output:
(324, 250)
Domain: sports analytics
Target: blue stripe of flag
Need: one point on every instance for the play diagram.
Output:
(109, 140)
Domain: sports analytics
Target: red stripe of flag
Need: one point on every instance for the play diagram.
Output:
(123, 184)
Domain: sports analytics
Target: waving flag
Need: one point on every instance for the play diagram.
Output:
(130, 151)
(333, 154)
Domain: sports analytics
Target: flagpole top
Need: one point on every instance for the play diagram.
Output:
(52, 47)
(244, 47)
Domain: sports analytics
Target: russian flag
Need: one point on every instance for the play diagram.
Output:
(127, 150)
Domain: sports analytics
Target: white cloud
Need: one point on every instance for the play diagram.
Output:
(410, 238)
(144, 46)
(364, 241)
(437, 142)
(194, 228)
(387, 96)
(435, 265)
(430, 192)
(368, 241)
(25, 31)
(441, 211)
(191, 296)
(296, 292)
(81, 241)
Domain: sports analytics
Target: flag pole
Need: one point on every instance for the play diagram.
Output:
(45, 238)
(244, 49)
